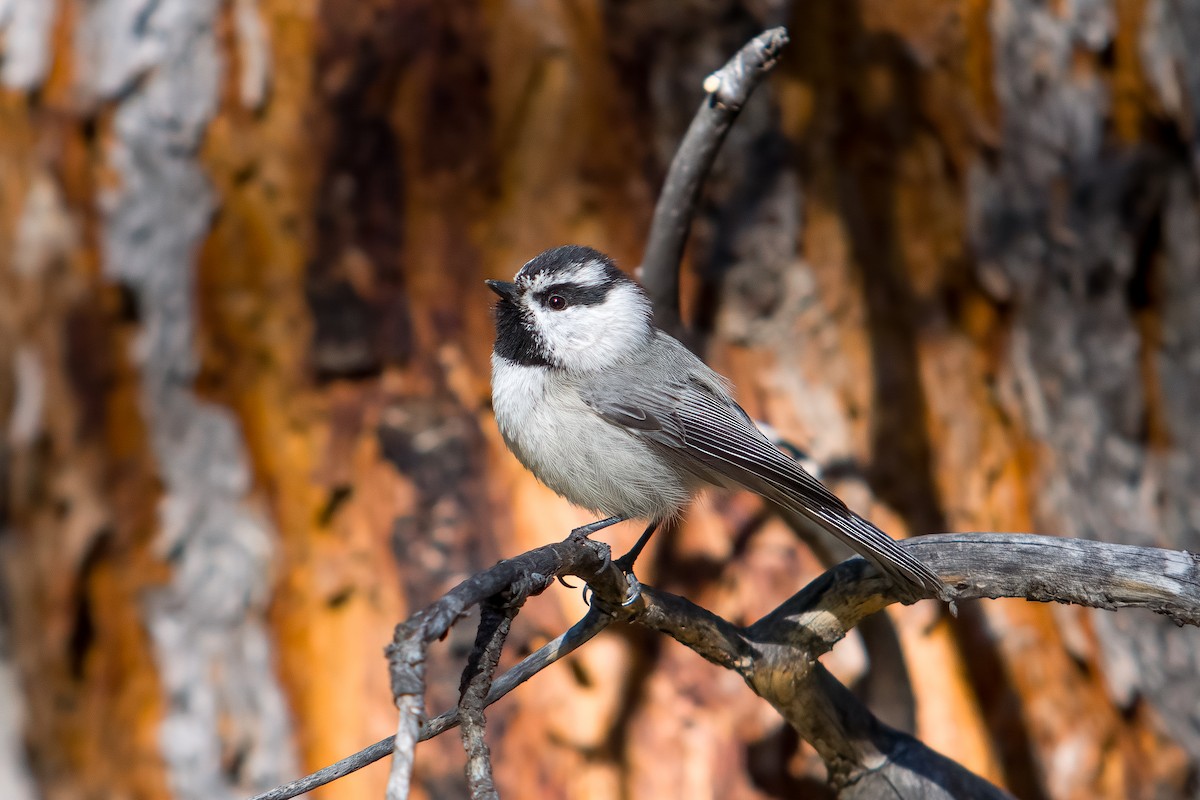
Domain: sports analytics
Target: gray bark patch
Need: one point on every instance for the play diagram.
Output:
(158, 60)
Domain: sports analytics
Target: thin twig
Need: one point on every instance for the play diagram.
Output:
(580, 633)
(495, 621)
(411, 709)
(726, 90)
(365, 757)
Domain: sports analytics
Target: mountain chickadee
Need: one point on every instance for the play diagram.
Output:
(620, 418)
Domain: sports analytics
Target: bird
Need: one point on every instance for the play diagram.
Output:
(620, 418)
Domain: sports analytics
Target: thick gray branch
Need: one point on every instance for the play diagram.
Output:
(777, 655)
(867, 759)
(977, 565)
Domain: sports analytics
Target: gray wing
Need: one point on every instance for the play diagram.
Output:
(694, 422)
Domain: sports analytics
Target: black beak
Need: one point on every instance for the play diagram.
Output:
(507, 291)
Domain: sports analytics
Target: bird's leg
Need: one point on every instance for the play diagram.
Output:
(600, 524)
(625, 562)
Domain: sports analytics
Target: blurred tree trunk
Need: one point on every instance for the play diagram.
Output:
(953, 248)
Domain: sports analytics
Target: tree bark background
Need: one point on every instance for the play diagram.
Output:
(952, 247)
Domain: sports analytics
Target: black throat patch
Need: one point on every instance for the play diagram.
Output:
(516, 339)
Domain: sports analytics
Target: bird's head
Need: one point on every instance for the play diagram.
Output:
(570, 308)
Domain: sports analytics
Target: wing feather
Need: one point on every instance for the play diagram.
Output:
(693, 422)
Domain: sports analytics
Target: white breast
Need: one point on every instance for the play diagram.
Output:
(587, 460)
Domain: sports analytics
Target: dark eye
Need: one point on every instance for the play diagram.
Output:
(556, 302)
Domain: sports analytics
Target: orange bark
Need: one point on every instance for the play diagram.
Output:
(370, 165)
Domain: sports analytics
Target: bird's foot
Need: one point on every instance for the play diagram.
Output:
(635, 590)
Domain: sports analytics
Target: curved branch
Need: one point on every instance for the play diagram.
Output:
(727, 91)
(867, 759)
(527, 574)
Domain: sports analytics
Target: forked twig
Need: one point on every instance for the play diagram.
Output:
(526, 575)
(596, 620)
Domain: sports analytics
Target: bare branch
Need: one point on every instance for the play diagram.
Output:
(868, 759)
(407, 660)
(596, 620)
(315, 780)
(712, 637)
(495, 621)
(977, 565)
(777, 655)
(727, 91)
(1079, 571)
(520, 577)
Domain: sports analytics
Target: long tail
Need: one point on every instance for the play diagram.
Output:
(868, 541)
(724, 438)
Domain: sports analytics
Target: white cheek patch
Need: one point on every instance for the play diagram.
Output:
(583, 338)
(560, 330)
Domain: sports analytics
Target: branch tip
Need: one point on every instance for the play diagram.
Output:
(726, 91)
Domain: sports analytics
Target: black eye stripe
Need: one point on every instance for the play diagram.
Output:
(576, 294)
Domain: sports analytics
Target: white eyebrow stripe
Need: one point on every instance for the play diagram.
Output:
(590, 273)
